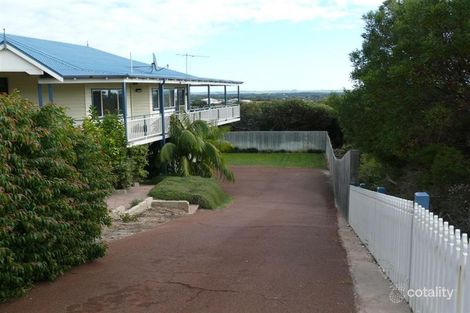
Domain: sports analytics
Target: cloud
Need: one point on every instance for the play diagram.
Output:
(144, 26)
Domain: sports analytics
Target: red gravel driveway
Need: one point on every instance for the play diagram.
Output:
(274, 249)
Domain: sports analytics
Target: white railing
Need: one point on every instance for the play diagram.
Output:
(146, 128)
(424, 257)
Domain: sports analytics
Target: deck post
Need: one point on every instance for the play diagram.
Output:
(124, 107)
(50, 92)
(189, 98)
(209, 95)
(238, 94)
(225, 95)
(40, 97)
(162, 109)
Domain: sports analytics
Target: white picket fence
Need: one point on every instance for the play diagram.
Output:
(424, 257)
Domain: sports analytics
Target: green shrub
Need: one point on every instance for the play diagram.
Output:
(53, 182)
(128, 218)
(194, 189)
(371, 172)
(138, 157)
(128, 164)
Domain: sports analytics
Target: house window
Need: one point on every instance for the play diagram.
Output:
(180, 97)
(3, 85)
(107, 101)
(169, 98)
(155, 99)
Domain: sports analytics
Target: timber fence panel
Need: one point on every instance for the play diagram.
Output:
(424, 256)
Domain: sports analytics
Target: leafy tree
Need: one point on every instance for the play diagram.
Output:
(410, 107)
(412, 77)
(195, 148)
(53, 183)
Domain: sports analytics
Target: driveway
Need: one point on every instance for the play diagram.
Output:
(274, 249)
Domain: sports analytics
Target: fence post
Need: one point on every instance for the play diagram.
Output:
(381, 190)
(422, 198)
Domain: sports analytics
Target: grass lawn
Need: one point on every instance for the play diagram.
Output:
(196, 190)
(314, 160)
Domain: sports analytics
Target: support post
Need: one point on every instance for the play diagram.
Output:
(189, 98)
(225, 95)
(50, 93)
(209, 95)
(238, 94)
(381, 190)
(422, 198)
(124, 107)
(40, 97)
(162, 109)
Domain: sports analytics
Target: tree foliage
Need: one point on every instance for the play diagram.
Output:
(293, 114)
(412, 79)
(128, 164)
(410, 107)
(195, 148)
(53, 182)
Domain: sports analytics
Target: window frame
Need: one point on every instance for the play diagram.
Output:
(120, 99)
(155, 108)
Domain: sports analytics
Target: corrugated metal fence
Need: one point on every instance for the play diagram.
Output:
(278, 140)
(343, 171)
(424, 257)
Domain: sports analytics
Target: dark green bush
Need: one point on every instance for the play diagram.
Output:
(194, 189)
(53, 182)
(128, 164)
(285, 115)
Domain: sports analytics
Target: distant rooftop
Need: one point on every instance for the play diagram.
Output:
(76, 61)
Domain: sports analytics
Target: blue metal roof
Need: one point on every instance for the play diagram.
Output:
(76, 61)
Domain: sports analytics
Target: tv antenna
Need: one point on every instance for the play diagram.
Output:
(154, 63)
(187, 55)
(153, 66)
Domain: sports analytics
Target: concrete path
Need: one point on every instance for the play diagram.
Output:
(274, 249)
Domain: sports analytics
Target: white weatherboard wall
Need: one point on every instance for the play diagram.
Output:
(415, 248)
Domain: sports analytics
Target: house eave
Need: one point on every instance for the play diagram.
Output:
(140, 80)
(27, 58)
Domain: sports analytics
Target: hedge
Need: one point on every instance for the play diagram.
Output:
(53, 183)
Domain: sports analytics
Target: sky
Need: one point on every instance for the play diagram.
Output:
(267, 44)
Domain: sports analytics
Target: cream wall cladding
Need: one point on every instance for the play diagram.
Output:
(72, 98)
(141, 99)
(27, 85)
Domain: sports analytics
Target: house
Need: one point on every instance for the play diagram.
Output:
(81, 78)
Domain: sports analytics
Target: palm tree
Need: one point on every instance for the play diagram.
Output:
(195, 148)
